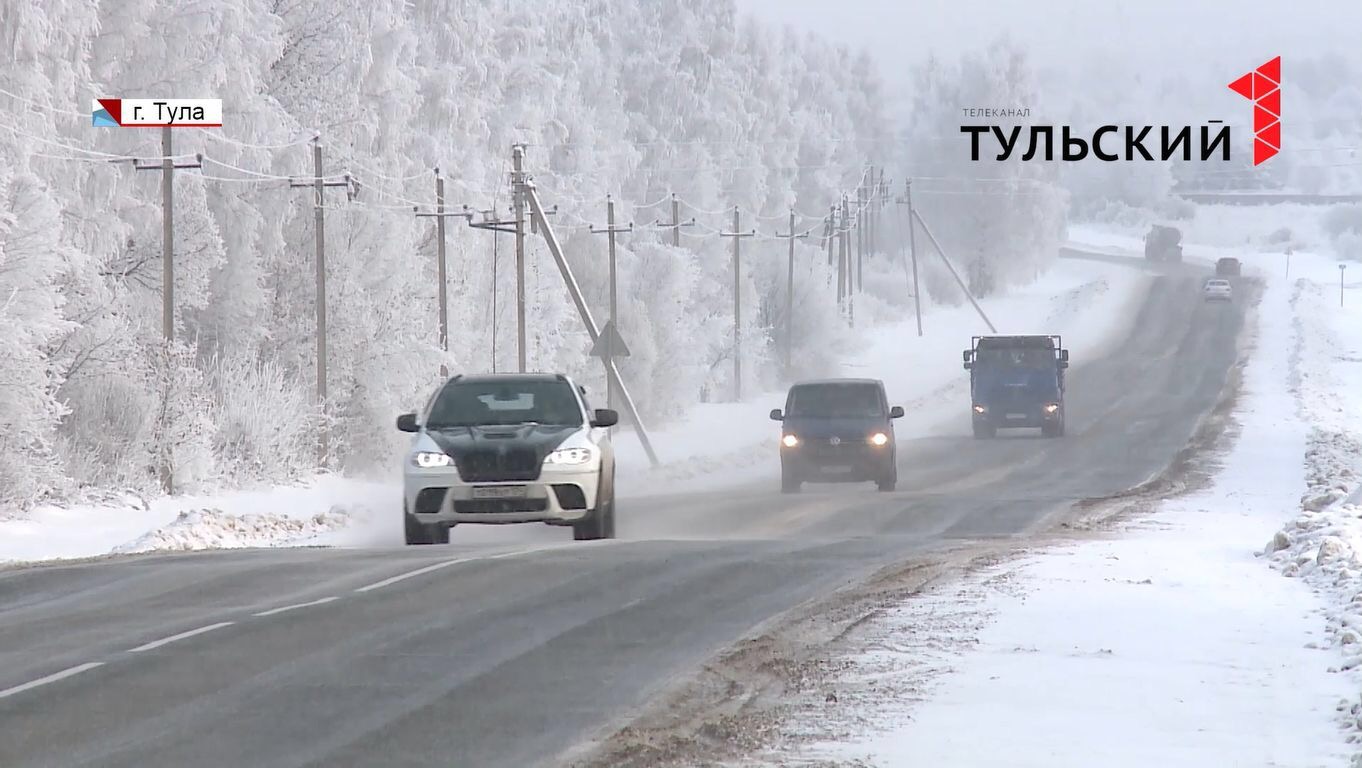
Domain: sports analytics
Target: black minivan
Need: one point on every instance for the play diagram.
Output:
(837, 431)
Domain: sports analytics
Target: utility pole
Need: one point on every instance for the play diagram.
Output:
(319, 184)
(907, 200)
(827, 239)
(842, 229)
(610, 232)
(517, 182)
(167, 167)
(676, 224)
(861, 210)
(737, 234)
(442, 268)
(789, 292)
(870, 221)
(1341, 268)
(954, 274)
(531, 197)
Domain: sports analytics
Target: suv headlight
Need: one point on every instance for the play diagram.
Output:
(571, 456)
(1051, 407)
(879, 438)
(789, 441)
(431, 460)
(980, 409)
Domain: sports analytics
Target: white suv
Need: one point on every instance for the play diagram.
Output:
(508, 448)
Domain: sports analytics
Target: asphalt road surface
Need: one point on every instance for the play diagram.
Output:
(508, 654)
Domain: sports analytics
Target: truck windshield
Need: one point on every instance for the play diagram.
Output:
(490, 403)
(1029, 359)
(836, 401)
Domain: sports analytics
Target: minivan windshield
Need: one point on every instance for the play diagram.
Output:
(505, 402)
(836, 401)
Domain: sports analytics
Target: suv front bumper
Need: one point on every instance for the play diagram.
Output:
(557, 497)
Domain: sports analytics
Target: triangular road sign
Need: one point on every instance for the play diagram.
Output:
(609, 342)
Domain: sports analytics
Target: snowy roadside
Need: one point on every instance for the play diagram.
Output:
(723, 443)
(1166, 644)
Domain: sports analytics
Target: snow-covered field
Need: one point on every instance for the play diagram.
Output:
(1170, 643)
(1089, 303)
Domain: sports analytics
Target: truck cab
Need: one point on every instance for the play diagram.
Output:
(1163, 243)
(1016, 382)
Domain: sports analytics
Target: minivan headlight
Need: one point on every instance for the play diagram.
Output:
(1051, 407)
(789, 441)
(879, 438)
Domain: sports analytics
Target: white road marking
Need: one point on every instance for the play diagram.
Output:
(445, 564)
(284, 608)
(52, 678)
(168, 640)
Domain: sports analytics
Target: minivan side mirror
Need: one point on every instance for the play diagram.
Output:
(966, 355)
(776, 415)
(1063, 355)
(605, 417)
(896, 412)
(407, 423)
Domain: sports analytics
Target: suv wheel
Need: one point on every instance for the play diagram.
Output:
(600, 524)
(418, 533)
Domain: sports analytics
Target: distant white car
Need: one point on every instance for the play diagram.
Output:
(1218, 290)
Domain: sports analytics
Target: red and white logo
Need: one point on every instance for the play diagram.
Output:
(1263, 86)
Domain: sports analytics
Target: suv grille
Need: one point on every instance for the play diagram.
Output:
(484, 465)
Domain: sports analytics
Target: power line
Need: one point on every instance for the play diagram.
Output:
(44, 107)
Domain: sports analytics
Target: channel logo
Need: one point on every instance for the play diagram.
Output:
(156, 113)
(1263, 86)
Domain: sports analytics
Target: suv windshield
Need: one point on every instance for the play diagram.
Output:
(510, 401)
(836, 401)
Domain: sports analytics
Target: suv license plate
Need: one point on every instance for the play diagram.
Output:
(1016, 415)
(500, 492)
(837, 469)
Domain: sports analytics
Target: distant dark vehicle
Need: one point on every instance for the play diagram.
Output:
(837, 431)
(1017, 381)
(1228, 267)
(1163, 244)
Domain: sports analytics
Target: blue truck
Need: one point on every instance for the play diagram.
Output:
(1017, 381)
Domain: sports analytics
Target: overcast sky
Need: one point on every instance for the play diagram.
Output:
(1166, 35)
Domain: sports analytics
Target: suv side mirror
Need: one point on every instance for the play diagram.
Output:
(605, 417)
(896, 412)
(407, 423)
(966, 355)
(1063, 355)
(776, 415)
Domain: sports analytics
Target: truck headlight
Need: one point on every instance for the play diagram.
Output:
(1051, 407)
(431, 460)
(789, 441)
(980, 409)
(571, 456)
(879, 438)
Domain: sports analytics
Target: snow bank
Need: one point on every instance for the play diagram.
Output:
(268, 517)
